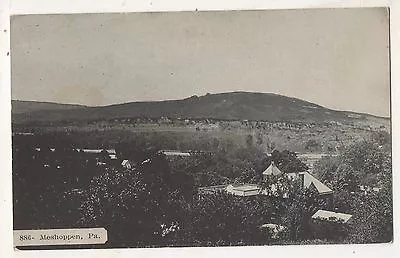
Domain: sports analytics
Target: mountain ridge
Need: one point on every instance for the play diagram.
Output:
(238, 105)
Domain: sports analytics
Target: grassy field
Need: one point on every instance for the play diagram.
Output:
(328, 137)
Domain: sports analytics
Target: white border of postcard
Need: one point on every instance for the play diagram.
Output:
(15, 7)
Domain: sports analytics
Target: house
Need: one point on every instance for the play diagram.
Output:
(243, 190)
(23, 134)
(112, 154)
(310, 182)
(332, 216)
(101, 153)
(272, 170)
(175, 153)
(146, 161)
(99, 163)
(91, 151)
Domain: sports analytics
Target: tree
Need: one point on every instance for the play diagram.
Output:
(259, 138)
(382, 138)
(312, 145)
(366, 163)
(134, 204)
(299, 208)
(286, 161)
(249, 140)
(369, 160)
(248, 175)
(345, 178)
(325, 168)
(223, 219)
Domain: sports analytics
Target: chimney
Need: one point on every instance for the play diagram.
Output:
(301, 176)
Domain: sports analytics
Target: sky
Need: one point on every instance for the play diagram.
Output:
(337, 58)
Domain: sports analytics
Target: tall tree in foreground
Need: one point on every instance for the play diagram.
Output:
(135, 206)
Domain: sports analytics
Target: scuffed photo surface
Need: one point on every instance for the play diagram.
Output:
(204, 128)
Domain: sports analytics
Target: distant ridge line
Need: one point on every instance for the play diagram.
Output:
(237, 105)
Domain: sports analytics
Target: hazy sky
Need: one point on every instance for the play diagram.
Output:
(335, 58)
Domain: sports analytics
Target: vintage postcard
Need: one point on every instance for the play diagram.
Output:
(201, 129)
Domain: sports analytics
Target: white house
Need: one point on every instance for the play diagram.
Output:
(330, 215)
(243, 190)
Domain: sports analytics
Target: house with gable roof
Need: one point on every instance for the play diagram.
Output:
(308, 181)
(272, 170)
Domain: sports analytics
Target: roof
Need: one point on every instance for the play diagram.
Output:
(146, 161)
(175, 153)
(111, 151)
(124, 162)
(321, 188)
(323, 214)
(272, 170)
(311, 181)
(243, 190)
(92, 150)
(246, 187)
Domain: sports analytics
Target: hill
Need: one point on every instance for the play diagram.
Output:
(21, 107)
(226, 106)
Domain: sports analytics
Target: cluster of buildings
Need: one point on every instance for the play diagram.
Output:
(306, 179)
(101, 156)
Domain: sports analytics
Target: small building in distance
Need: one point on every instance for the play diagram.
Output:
(126, 164)
(112, 154)
(175, 153)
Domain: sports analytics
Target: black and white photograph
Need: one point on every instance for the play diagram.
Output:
(201, 128)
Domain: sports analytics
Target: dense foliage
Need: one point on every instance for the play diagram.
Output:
(156, 203)
(362, 179)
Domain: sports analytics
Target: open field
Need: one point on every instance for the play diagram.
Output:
(325, 137)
